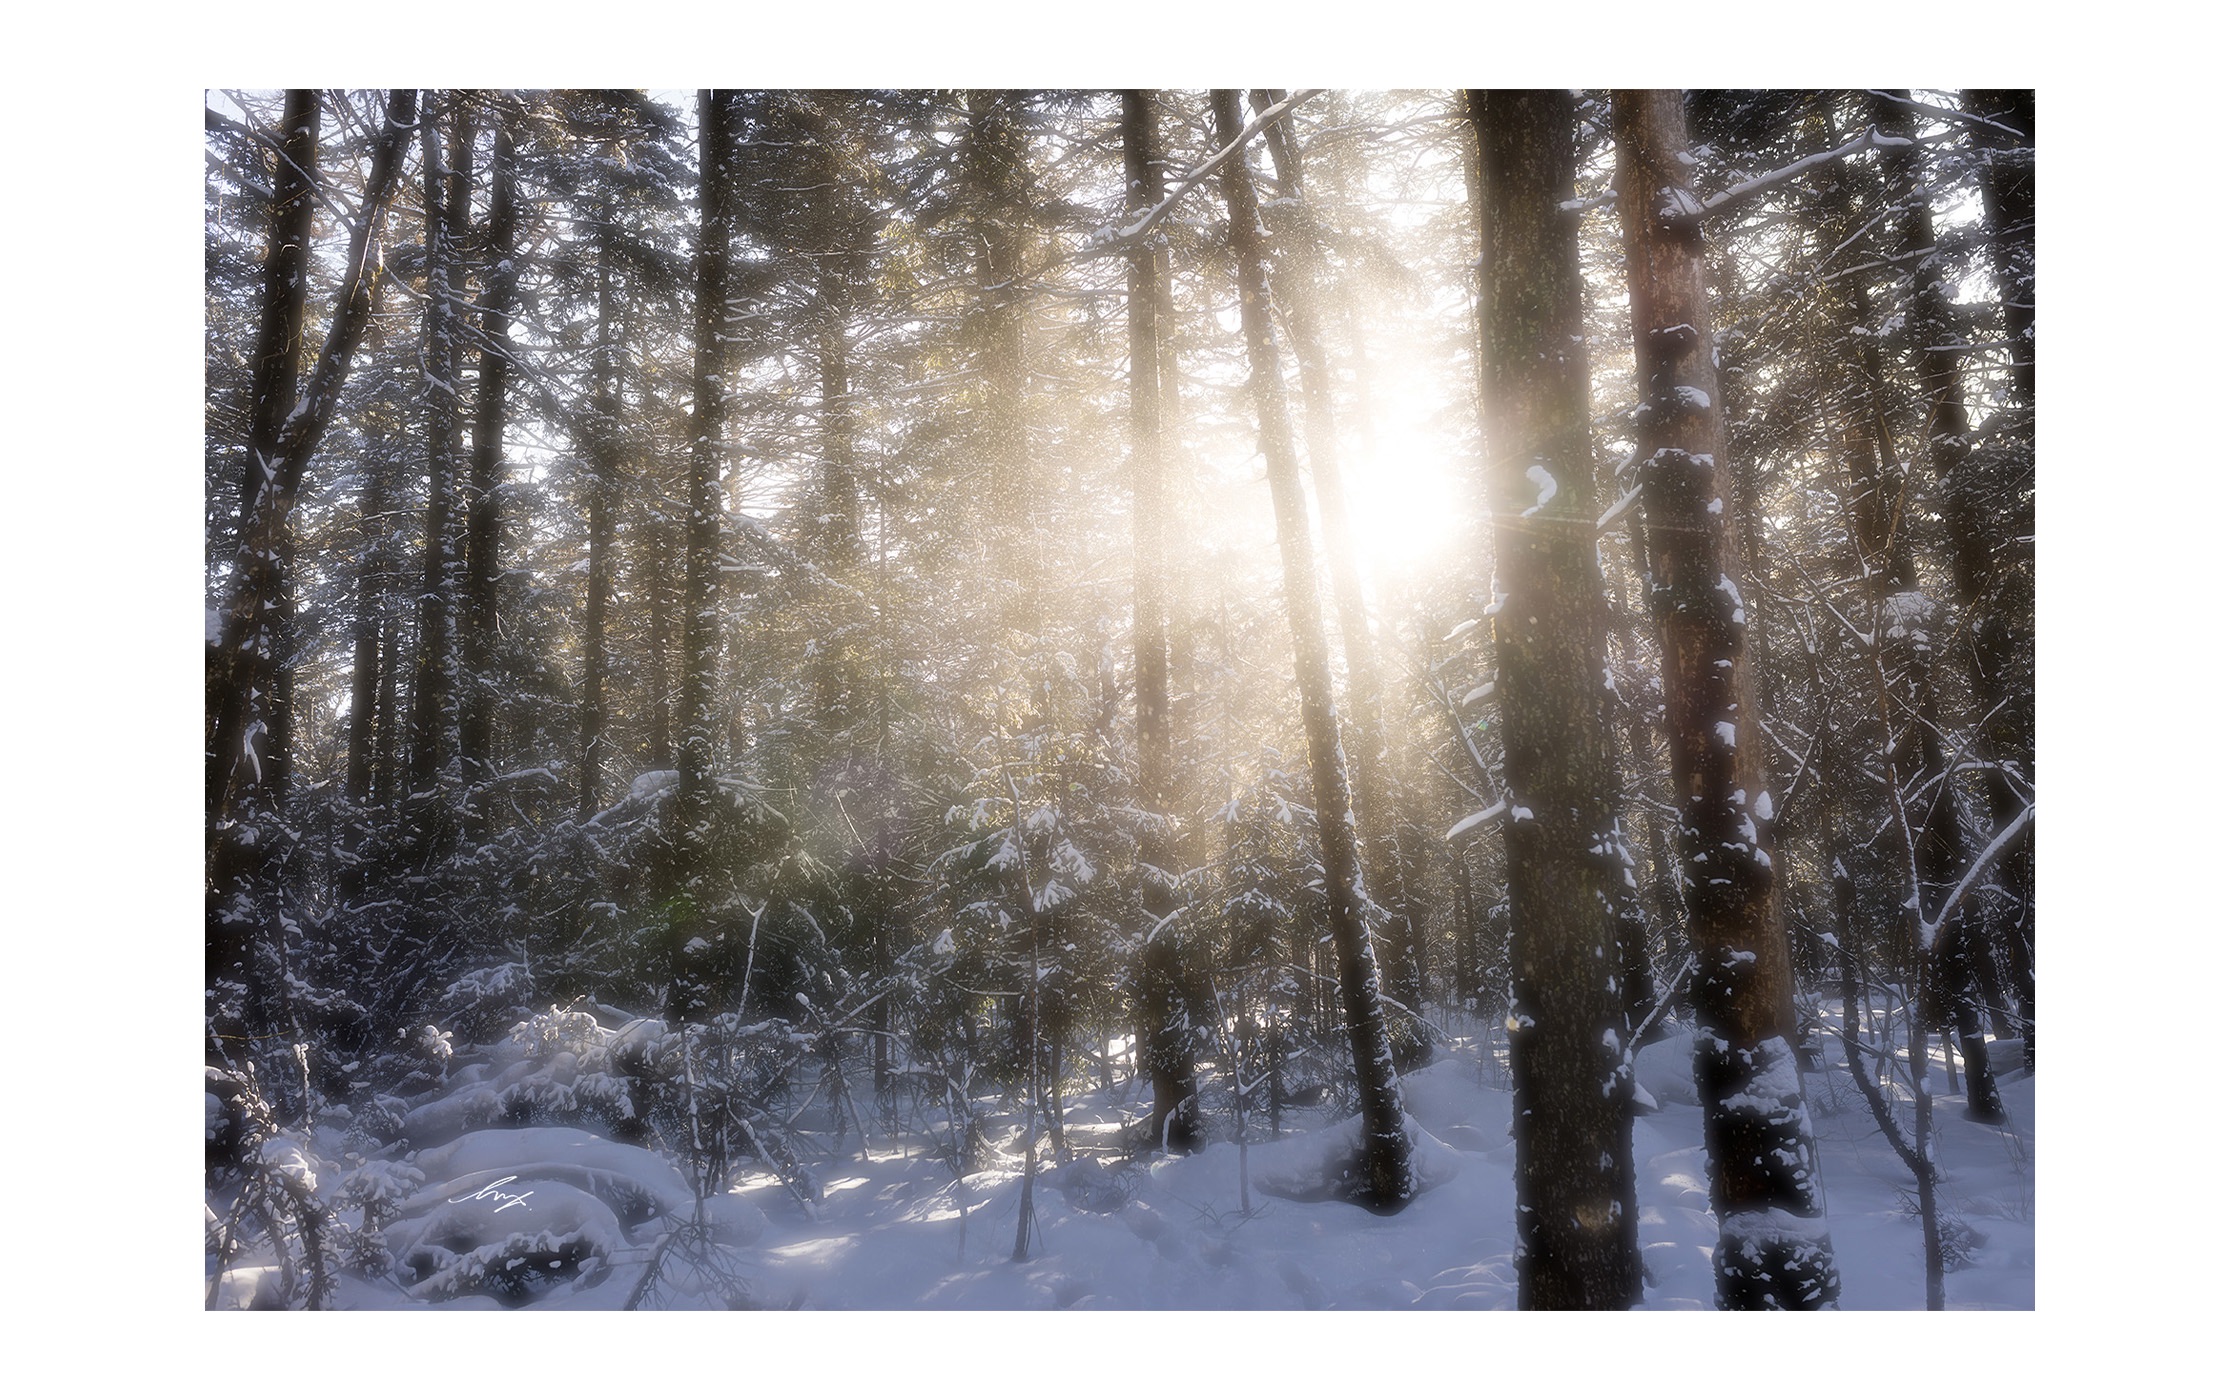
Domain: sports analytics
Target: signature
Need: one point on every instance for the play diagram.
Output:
(492, 1193)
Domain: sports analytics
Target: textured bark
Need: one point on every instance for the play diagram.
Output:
(1765, 1182)
(2010, 217)
(994, 165)
(1371, 759)
(432, 752)
(1387, 1177)
(1985, 600)
(1169, 1059)
(285, 430)
(486, 478)
(2010, 201)
(368, 772)
(606, 471)
(1578, 1239)
(696, 720)
(245, 842)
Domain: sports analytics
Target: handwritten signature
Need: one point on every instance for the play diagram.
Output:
(492, 1193)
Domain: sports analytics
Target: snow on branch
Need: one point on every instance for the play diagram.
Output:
(1476, 819)
(1991, 852)
(1616, 512)
(753, 531)
(1118, 240)
(1870, 139)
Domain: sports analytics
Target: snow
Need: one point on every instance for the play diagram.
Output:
(1250, 1226)
(1476, 819)
(1543, 483)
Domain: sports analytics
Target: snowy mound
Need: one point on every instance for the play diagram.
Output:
(1324, 1166)
(1667, 1069)
(513, 1212)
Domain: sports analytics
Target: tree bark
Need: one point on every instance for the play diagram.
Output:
(431, 774)
(1984, 603)
(696, 746)
(486, 481)
(245, 841)
(1169, 1057)
(1293, 277)
(605, 443)
(1765, 1183)
(1578, 1240)
(1387, 1176)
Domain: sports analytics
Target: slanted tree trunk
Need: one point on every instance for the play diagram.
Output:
(1371, 761)
(1387, 1176)
(1773, 1247)
(1169, 1056)
(1578, 1241)
(485, 484)
(245, 841)
(696, 744)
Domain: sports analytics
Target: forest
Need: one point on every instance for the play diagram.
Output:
(1180, 699)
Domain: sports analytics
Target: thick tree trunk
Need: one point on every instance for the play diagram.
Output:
(1765, 1182)
(1169, 1056)
(485, 484)
(696, 746)
(1387, 1176)
(1371, 761)
(1578, 1241)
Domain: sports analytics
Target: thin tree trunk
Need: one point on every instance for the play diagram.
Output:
(485, 484)
(606, 471)
(1169, 1058)
(1370, 760)
(1578, 1241)
(1765, 1183)
(431, 776)
(1387, 1176)
(1966, 490)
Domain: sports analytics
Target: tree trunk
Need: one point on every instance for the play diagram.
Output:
(1169, 1056)
(1370, 762)
(486, 482)
(245, 841)
(1578, 1242)
(431, 777)
(1969, 496)
(1765, 1182)
(1387, 1177)
(606, 470)
(696, 746)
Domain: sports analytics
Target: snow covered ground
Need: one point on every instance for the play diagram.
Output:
(1224, 1229)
